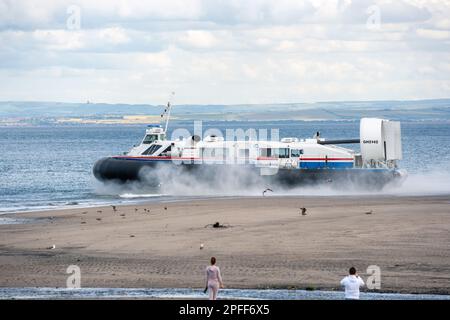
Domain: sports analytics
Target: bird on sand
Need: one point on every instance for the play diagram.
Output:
(264, 192)
(52, 247)
(303, 211)
(201, 246)
(114, 208)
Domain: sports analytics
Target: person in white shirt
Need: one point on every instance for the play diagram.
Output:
(352, 283)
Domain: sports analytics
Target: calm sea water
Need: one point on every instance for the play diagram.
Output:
(49, 167)
(184, 293)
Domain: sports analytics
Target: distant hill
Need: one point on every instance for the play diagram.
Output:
(48, 112)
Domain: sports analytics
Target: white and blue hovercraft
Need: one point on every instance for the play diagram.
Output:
(288, 162)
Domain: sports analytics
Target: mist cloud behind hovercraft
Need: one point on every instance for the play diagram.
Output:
(224, 52)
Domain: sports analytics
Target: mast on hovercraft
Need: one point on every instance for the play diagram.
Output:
(167, 112)
(155, 132)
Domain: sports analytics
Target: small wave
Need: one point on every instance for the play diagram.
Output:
(4, 221)
(136, 195)
(55, 206)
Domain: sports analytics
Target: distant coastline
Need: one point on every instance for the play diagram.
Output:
(40, 113)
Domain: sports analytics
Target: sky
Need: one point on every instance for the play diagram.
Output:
(224, 51)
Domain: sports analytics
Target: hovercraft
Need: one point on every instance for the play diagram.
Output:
(289, 161)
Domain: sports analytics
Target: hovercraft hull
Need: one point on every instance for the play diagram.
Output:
(123, 170)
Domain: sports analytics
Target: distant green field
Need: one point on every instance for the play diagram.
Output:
(48, 112)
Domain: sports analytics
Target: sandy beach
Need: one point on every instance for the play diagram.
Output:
(267, 243)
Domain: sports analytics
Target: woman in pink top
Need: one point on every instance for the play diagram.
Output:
(213, 279)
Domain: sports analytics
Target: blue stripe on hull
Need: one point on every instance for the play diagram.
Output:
(322, 164)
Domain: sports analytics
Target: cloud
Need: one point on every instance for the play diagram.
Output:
(433, 34)
(224, 51)
(198, 39)
(159, 60)
(114, 35)
(43, 14)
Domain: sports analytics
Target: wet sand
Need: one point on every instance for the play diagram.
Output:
(267, 244)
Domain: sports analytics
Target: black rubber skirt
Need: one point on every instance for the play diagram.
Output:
(152, 172)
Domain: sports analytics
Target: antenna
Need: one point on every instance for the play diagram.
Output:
(167, 111)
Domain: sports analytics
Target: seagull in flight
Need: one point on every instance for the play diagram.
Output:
(264, 192)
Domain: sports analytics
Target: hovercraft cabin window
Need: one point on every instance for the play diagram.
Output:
(283, 153)
(150, 138)
(217, 153)
(166, 151)
(295, 153)
(151, 150)
(244, 153)
(265, 152)
(274, 152)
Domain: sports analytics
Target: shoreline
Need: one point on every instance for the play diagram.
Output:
(165, 198)
(268, 244)
(40, 293)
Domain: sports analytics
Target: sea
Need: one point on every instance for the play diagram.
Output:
(50, 167)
